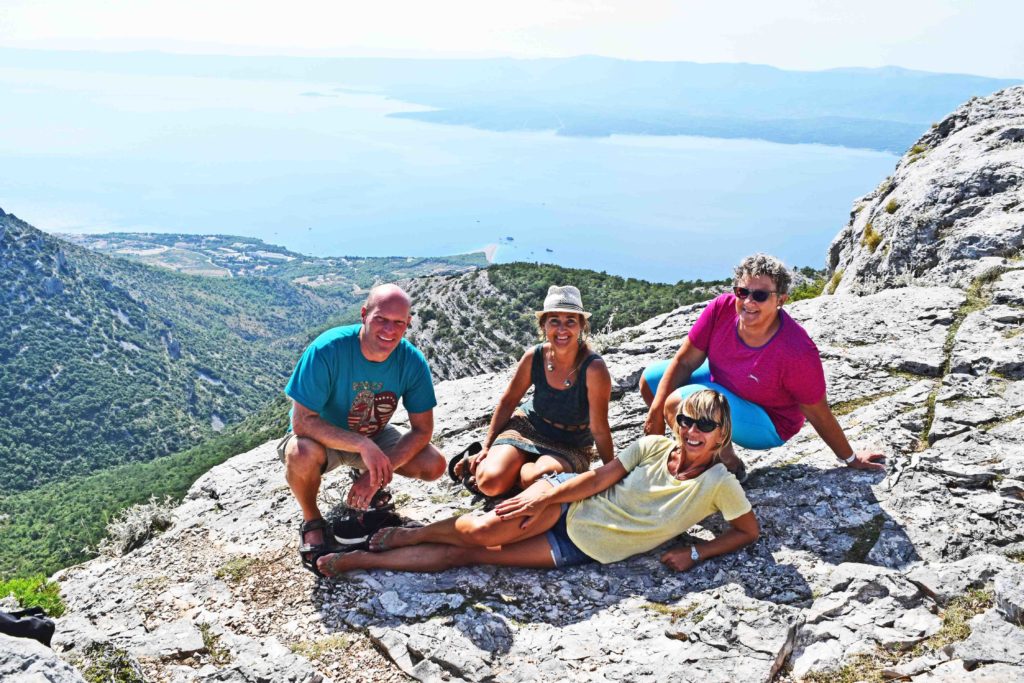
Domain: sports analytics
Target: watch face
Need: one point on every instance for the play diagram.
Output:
(693, 553)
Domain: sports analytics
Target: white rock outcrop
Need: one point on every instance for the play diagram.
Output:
(952, 210)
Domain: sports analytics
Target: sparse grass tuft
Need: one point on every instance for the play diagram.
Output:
(891, 206)
(319, 649)
(956, 618)
(103, 663)
(219, 654)
(833, 283)
(676, 612)
(847, 407)
(35, 591)
(871, 237)
(236, 569)
(918, 149)
(860, 668)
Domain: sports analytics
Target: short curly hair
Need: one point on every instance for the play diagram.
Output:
(764, 264)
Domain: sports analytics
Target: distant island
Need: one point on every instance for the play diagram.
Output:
(883, 109)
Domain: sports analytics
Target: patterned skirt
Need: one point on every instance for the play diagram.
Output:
(519, 432)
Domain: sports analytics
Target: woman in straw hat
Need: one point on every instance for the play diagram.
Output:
(564, 425)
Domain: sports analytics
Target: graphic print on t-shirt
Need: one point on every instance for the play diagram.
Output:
(370, 411)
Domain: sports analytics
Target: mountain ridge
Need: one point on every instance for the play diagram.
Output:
(883, 109)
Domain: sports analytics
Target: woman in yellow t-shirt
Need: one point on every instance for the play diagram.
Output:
(652, 492)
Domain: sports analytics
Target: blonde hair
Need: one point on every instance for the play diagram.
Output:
(708, 404)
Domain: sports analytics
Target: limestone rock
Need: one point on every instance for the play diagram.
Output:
(943, 582)
(992, 640)
(1009, 590)
(954, 672)
(174, 640)
(953, 208)
(24, 659)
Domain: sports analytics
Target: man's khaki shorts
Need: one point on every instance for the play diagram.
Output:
(386, 439)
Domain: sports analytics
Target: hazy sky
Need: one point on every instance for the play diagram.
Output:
(980, 37)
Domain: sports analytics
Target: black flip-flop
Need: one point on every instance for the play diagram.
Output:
(470, 450)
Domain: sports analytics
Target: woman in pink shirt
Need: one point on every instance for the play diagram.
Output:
(746, 347)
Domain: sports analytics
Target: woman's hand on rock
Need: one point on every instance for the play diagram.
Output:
(678, 559)
(868, 460)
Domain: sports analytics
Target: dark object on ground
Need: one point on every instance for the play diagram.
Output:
(28, 623)
(353, 530)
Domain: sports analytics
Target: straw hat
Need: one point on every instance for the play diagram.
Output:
(563, 300)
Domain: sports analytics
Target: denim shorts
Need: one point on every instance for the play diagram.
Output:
(564, 552)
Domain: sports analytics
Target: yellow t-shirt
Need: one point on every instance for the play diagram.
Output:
(650, 506)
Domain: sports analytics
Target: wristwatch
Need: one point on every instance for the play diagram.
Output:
(849, 461)
(694, 555)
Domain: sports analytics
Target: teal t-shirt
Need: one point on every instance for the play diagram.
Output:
(335, 380)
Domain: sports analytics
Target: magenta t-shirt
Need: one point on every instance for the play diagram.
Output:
(777, 376)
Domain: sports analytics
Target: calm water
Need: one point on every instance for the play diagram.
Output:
(326, 172)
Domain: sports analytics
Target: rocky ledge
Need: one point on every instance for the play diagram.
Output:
(953, 209)
(916, 571)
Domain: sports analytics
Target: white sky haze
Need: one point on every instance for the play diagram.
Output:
(982, 37)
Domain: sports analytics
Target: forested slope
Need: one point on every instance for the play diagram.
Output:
(479, 322)
(104, 362)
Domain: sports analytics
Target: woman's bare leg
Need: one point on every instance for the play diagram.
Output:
(499, 471)
(532, 552)
(532, 471)
(645, 392)
(471, 530)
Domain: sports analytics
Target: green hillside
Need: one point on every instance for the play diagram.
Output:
(57, 524)
(104, 361)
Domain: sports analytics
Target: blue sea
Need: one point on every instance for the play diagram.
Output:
(323, 170)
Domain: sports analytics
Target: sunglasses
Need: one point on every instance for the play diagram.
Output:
(703, 424)
(758, 295)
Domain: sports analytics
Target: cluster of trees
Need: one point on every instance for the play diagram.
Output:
(60, 523)
(615, 302)
(464, 327)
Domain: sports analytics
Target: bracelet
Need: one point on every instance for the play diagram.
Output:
(848, 461)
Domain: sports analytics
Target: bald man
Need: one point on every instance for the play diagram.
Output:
(344, 391)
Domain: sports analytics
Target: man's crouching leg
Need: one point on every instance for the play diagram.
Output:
(304, 461)
(429, 464)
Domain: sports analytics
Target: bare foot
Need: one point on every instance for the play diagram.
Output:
(390, 538)
(334, 565)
